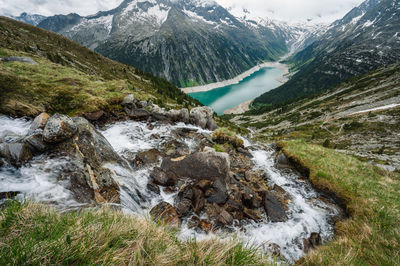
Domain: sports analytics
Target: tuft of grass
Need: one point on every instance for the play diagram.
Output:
(225, 136)
(371, 195)
(37, 234)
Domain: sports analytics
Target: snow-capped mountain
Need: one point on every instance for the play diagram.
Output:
(187, 42)
(366, 39)
(32, 19)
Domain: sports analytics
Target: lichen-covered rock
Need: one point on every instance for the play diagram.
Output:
(202, 117)
(159, 177)
(164, 212)
(58, 128)
(40, 121)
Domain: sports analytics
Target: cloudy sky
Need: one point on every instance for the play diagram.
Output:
(289, 10)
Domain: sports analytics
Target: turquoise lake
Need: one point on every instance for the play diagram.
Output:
(228, 97)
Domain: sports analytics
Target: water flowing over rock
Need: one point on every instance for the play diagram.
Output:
(203, 191)
(16, 153)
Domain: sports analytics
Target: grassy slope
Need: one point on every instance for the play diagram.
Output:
(35, 234)
(69, 78)
(371, 236)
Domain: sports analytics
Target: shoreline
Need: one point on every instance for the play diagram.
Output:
(240, 109)
(239, 78)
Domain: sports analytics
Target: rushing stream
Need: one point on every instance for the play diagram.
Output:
(40, 180)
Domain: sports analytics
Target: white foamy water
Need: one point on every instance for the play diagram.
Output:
(42, 180)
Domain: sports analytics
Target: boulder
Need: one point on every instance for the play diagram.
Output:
(198, 201)
(202, 117)
(199, 166)
(183, 202)
(164, 212)
(153, 188)
(129, 101)
(36, 143)
(159, 177)
(282, 161)
(90, 151)
(58, 128)
(179, 115)
(138, 114)
(39, 122)
(16, 153)
(224, 217)
(274, 209)
(27, 60)
(175, 148)
(218, 193)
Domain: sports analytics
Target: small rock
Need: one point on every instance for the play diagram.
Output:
(153, 188)
(94, 116)
(8, 194)
(205, 226)
(159, 177)
(274, 209)
(164, 212)
(312, 242)
(39, 122)
(129, 101)
(275, 249)
(252, 214)
(183, 207)
(225, 218)
(147, 158)
(204, 184)
(58, 128)
(198, 201)
(137, 114)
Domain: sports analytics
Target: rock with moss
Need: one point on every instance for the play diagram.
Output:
(223, 136)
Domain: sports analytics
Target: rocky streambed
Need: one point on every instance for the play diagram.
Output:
(168, 164)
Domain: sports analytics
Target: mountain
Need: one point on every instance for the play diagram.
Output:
(33, 19)
(367, 38)
(188, 42)
(69, 78)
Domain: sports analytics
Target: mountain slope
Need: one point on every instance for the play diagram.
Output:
(367, 38)
(33, 19)
(68, 77)
(188, 42)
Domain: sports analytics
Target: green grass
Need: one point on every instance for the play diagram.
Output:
(32, 234)
(70, 78)
(371, 235)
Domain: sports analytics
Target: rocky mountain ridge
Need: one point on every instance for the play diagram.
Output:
(364, 40)
(187, 42)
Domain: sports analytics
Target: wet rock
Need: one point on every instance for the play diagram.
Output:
(16, 153)
(282, 161)
(36, 143)
(252, 214)
(58, 128)
(89, 152)
(205, 226)
(176, 148)
(94, 116)
(8, 194)
(218, 193)
(273, 208)
(204, 184)
(164, 212)
(274, 249)
(198, 201)
(159, 177)
(224, 218)
(39, 122)
(199, 166)
(183, 203)
(1, 162)
(147, 158)
(312, 242)
(202, 117)
(250, 198)
(153, 188)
